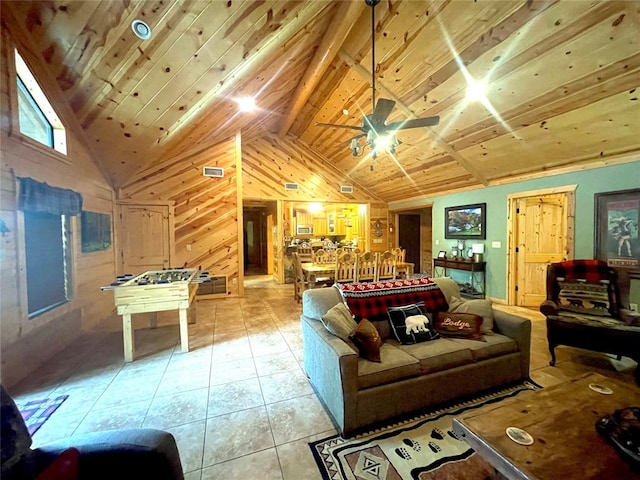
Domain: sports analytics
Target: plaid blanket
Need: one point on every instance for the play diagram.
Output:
(590, 270)
(372, 299)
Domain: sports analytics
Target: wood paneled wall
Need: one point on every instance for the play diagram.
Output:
(28, 343)
(268, 162)
(206, 209)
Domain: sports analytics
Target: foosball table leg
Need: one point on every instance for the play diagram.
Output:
(184, 330)
(127, 337)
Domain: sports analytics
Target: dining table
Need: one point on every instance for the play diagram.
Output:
(313, 271)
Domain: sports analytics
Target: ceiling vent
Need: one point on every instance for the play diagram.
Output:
(291, 186)
(217, 172)
(346, 188)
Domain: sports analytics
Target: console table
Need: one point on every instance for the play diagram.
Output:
(475, 288)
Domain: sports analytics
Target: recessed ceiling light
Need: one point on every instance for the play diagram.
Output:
(476, 90)
(141, 29)
(345, 112)
(246, 104)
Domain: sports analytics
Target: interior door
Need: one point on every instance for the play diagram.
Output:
(541, 238)
(409, 238)
(144, 237)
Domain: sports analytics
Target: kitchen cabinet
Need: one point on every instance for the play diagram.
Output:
(320, 226)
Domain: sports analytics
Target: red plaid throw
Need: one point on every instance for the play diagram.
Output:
(589, 270)
(372, 299)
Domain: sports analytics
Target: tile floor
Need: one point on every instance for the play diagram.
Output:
(238, 403)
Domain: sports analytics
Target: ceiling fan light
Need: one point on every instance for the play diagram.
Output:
(476, 90)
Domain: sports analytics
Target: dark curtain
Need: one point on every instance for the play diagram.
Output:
(39, 197)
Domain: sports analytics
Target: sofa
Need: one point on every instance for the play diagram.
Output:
(122, 454)
(359, 393)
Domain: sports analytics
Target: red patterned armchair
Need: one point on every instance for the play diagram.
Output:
(587, 307)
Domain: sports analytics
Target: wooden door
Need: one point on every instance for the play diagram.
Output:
(145, 237)
(409, 238)
(541, 238)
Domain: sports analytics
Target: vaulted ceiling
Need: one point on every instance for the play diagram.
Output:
(562, 79)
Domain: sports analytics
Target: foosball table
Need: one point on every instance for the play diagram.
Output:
(156, 291)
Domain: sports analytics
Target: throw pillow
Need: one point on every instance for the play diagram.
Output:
(584, 297)
(339, 321)
(65, 467)
(368, 340)
(480, 307)
(410, 324)
(460, 325)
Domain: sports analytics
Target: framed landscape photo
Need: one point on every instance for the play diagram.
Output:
(616, 228)
(465, 221)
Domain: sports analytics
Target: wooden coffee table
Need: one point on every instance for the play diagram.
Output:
(561, 419)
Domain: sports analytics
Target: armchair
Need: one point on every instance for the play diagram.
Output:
(587, 307)
(122, 454)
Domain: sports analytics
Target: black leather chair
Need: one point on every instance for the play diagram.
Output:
(117, 454)
(576, 319)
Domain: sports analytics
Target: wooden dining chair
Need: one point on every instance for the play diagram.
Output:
(300, 283)
(346, 268)
(386, 266)
(306, 252)
(324, 256)
(367, 267)
(399, 253)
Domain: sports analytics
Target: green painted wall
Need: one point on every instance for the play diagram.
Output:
(589, 182)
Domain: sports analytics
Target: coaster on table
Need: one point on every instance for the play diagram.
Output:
(596, 387)
(519, 436)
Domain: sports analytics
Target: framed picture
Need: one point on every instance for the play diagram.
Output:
(442, 254)
(616, 228)
(465, 221)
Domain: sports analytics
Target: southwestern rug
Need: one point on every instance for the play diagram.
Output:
(423, 448)
(36, 412)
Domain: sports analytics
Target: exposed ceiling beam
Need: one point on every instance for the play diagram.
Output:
(437, 139)
(343, 20)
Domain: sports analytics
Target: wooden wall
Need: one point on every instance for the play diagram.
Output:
(207, 213)
(28, 343)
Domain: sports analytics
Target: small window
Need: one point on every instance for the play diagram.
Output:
(48, 261)
(36, 117)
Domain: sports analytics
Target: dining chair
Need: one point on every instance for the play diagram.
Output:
(306, 252)
(386, 266)
(367, 267)
(324, 256)
(346, 268)
(399, 253)
(300, 283)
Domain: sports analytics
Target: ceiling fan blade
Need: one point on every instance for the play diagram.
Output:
(414, 123)
(383, 109)
(335, 125)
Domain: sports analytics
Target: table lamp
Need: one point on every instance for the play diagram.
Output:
(478, 250)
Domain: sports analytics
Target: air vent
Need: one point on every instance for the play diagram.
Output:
(291, 186)
(217, 172)
(346, 188)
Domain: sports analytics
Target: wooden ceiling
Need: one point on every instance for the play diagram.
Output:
(562, 81)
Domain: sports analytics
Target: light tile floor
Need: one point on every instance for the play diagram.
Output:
(238, 403)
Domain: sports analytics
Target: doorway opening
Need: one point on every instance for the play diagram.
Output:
(414, 235)
(258, 221)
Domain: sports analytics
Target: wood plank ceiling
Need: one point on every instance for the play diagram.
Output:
(562, 79)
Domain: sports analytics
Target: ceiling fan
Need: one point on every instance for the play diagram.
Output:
(379, 135)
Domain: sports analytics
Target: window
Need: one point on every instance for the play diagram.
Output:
(48, 261)
(36, 116)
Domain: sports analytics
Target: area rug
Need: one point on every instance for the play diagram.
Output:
(36, 412)
(423, 448)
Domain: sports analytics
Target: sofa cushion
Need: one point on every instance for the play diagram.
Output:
(459, 325)
(339, 321)
(580, 296)
(480, 307)
(441, 354)
(395, 365)
(411, 324)
(317, 301)
(448, 286)
(368, 340)
(493, 346)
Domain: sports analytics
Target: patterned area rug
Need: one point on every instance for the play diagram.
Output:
(424, 448)
(36, 412)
